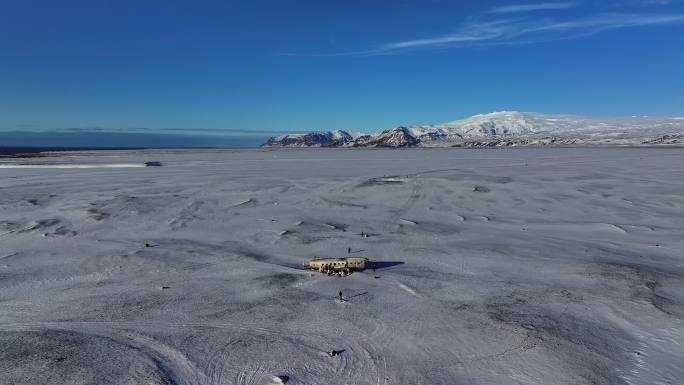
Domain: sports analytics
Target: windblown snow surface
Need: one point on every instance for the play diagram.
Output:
(518, 266)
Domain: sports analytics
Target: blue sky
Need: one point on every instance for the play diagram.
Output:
(283, 65)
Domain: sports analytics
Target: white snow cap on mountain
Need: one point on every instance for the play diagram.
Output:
(496, 123)
(524, 124)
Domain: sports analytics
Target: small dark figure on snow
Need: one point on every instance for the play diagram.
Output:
(362, 236)
(148, 245)
(333, 353)
(340, 294)
(374, 266)
(348, 250)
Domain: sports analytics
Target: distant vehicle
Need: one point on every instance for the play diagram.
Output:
(153, 164)
(340, 266)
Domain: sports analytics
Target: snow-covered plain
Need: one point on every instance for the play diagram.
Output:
(517, 266)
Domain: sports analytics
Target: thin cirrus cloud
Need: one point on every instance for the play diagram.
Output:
(518, 8)
(519, 24)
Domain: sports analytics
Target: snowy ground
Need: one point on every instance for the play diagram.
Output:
(528, 266)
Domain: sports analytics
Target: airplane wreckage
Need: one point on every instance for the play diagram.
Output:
(338, 266)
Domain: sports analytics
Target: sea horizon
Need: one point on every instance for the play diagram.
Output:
(12, 142)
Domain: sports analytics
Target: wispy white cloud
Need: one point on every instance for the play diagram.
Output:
(512, 25)
(605, 22)
(475, 33)
(519, 8)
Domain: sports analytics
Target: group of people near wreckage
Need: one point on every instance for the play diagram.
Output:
(340, 272)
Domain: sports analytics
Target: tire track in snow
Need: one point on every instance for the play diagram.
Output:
(173, 365)
(410, 202)
(361, 357)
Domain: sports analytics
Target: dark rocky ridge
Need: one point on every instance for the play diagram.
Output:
(311, 139)
(396, 138)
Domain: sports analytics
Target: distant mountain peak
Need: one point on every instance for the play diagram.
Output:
(395, 138)
(311, 139)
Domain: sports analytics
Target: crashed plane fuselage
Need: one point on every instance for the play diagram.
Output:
(325, 265)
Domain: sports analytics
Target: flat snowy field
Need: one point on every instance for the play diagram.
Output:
(527, 266)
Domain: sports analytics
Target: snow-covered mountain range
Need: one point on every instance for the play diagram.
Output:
(503, 129)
